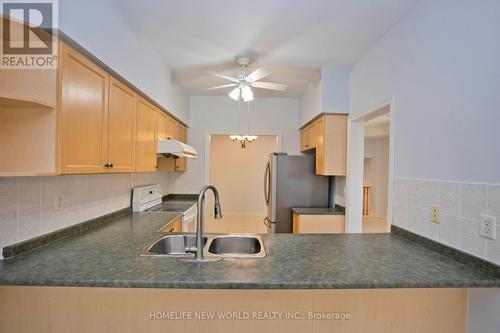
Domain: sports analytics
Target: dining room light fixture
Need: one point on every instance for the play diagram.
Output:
(243, 139)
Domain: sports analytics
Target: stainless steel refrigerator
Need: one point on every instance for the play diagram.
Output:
(290, 181)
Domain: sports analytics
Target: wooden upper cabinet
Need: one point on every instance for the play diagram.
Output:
(122, 128)
(331, 145)
(313, 135)
(162, 125)
(328, 136)
(308, 137)
(181, 135)
(145, 158)
(83, 114)
(172, 129)
(304, 139)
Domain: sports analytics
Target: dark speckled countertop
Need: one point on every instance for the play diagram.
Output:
(109, 257)
(319, 211)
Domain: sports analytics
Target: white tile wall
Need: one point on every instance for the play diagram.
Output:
(461, 206)
(27, 204)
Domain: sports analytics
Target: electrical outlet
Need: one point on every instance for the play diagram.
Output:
(435, 214)
(488, 226)
(58, 202)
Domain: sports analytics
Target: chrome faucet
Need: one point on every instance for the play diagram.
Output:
(199, 221)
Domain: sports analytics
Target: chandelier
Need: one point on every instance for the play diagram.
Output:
(243, 139)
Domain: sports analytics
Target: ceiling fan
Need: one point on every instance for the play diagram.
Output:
(244, 80)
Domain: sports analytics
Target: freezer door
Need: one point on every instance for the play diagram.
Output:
(296, 185)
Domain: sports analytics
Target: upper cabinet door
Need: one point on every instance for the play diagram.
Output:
(121, 125)
(145, 158)
(172, 129)
(162, 125)
(181, 135)
(83, 114)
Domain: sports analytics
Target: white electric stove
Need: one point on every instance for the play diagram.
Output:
(149, 199)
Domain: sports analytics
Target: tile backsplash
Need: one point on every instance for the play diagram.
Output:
(461, 206)
(28, 204)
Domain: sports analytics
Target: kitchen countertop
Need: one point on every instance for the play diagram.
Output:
(109, 257)
(319, 211)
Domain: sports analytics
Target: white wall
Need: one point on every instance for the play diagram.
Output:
(219, 115)
(335, 89)
(310, 101)
(445, 85)
(327, 93)
(440, 64)
(99, 27)
(238, 173)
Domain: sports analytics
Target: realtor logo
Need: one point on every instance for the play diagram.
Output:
(28, 34)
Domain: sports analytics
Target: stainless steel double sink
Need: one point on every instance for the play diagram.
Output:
(249, 246)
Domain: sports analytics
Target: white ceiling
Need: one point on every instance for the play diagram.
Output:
(293, 38)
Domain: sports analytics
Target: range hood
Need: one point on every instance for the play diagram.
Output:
(175, 148)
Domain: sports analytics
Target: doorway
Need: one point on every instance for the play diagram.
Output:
(376, 173)
(238, 174)
(370, 180)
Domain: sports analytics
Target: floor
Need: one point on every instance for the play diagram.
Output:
(373, 224)
(237, 224)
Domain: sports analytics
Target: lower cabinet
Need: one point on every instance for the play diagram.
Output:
(174, 226)
(318, 224)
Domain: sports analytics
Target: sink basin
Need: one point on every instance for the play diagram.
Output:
(237, 246)
(219, 246)
(173, 245)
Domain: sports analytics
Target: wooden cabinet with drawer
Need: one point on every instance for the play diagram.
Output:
(318, 224)
(174, 226)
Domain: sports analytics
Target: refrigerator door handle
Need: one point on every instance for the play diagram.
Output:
(267, 182)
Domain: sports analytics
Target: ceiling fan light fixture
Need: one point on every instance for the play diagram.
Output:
(235, 94)
(247, 94)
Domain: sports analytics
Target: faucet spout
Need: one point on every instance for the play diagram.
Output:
(199, 220)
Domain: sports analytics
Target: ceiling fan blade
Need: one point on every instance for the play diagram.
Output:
(258, 74)
(225, 77)
(222, 86)
(269, 85)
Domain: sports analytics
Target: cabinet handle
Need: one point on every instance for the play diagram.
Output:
(106, 165)
(111, 165)
(172, 230)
